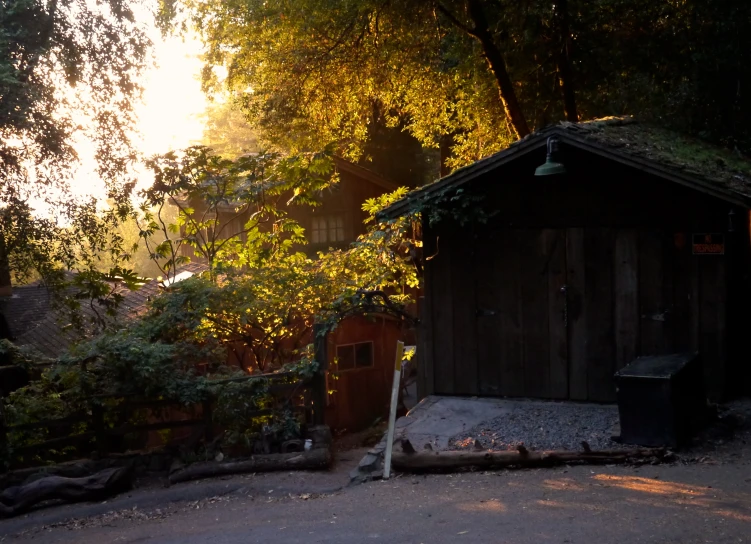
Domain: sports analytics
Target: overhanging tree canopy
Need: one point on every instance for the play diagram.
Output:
(68, 77)
(477, 73)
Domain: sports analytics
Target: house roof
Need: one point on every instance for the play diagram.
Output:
(344, 165)
(34, 321)
(684, 160)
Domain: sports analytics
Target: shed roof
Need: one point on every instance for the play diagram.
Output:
(688, 161)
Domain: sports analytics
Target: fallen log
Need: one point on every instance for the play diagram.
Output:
(315, 459)
(100, 485)
(426, 461)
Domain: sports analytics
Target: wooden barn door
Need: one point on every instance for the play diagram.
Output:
(602, 308)
(620, 304)
(521, 320)
(559, 311)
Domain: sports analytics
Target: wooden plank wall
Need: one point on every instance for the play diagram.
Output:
(577, 316)
(497, 321)
(441, 291)
(498, 325)
(633, 285)
(641, 294)
(510, 328)
(626, 296)
(488, 293)
(557, 313)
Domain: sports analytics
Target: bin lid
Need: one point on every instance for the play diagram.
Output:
(656, 366)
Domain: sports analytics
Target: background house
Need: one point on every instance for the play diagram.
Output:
(640, 248)
(37, 322)
(335, 223)
(365, 347)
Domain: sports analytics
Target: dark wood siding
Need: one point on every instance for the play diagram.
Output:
(598, 307)
(488, 296)
(557, 313)
(621, 247)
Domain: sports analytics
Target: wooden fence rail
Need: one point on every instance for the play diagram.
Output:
(98, 430)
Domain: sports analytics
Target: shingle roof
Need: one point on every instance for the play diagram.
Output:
(35, 322)
(689, 161)
(343, 165)
(726, 168)
(26, 307)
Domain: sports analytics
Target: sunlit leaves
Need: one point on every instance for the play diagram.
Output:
(266, 301)
(229, 212)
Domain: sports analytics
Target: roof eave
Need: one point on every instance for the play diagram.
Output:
(466, 174)
(537, 140)
(364, 173)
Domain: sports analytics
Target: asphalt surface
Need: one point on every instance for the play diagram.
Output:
(695, 503)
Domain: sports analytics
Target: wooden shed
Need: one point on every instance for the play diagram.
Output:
(361, 353)
(640, 248)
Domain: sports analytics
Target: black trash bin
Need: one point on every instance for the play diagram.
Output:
(661, 399)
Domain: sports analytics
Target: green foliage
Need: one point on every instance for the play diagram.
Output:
(27, 357)
(378, 272)
(229, 212)
(316, 71)
(118, 368)
(235, 409)
(68, 78)
(306, 367)
(57, 60)
(265, 307)
(323, 70)
(227, 132)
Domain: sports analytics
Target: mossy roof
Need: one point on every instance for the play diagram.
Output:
(715, 170)
(675, 151)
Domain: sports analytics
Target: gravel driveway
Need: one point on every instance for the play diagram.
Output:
(545, 426)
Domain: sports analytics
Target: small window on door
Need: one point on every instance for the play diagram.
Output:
(352, 356)
(327, 229)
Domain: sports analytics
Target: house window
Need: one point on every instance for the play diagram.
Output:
(329, 228)
(351, 356)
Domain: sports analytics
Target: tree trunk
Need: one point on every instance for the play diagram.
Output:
(497, 64)
(16, 500)
(564, 62)
(316, 459)
(451, 460)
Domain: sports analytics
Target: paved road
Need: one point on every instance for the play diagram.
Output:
(577, 505)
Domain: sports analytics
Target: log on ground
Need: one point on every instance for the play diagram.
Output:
(100, 485)
(316, 459)
(452, 460)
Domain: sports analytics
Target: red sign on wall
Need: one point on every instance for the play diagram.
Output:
(708, 244)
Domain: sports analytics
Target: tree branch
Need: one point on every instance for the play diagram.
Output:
(495, 61)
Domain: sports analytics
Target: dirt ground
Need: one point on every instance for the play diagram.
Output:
(704, 496)
(697, 502)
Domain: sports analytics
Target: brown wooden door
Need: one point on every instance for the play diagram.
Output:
(521, 315)
(559, 311)
(593, 277)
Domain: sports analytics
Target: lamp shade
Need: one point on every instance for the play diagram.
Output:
(552, 165)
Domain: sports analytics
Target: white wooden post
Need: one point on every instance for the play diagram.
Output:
(392, 412)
